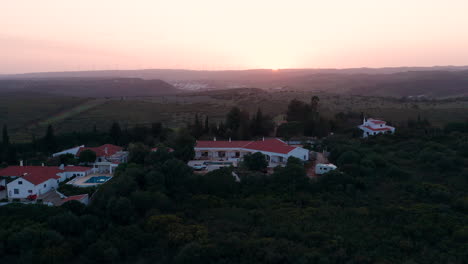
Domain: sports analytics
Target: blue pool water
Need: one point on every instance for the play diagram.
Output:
(98, 179)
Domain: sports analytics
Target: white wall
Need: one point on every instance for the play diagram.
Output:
(300, 153)
(26, 186)
(72, 151)
(22, 188)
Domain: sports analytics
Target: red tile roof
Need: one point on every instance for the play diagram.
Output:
(222, 144)
(106, 150)
(377, 122)
(33, 174)
(74, 198)
(378, 129)
(76, 168)
(269, 145)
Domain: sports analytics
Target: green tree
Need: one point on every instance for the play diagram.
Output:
(5, 137)
(234, 119)
(183, 145)
(49, 140)
(255, 162)
(115, 133)
(87, 156)
(137, 153)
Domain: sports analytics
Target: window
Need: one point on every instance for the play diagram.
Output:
(20, 182)
(16, 191)
(29, 191)
(45, 185)
(237, 154)
(222, 154)
(205, 154)
(367, 133)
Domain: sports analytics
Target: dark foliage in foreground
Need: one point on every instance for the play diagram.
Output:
(397, 199)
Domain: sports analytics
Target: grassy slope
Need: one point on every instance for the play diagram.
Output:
(31, 114)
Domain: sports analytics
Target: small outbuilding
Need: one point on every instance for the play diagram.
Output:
(322, 168)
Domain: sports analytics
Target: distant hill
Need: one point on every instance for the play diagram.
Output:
(89, 87)
(439, 81)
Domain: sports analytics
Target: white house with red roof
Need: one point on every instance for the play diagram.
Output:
(276, 151)
(371, 127)
(108, 156)
(32, 181)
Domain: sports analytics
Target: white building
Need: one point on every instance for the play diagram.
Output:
(372, 127)
(108, 156)
(72, 151)
(276, 151)
(32, 181)
(322, 168)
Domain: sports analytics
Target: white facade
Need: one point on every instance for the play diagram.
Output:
(20, 188)
(236, 154)
(371, 127)
(72, 151)
(322, 168)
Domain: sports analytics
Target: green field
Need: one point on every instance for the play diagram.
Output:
(26, 115)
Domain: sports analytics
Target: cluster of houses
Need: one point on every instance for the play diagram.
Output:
(33, 182)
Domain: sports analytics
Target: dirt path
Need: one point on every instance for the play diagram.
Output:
(70, 112)
(320, 158)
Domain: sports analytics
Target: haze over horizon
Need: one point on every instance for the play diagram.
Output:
(53, 35)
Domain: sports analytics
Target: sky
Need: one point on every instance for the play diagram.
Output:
(58, 35)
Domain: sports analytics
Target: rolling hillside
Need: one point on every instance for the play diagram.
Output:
(88, 87)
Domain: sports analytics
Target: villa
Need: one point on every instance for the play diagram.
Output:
(372, 127)
(29, 182)
(108, 156)
(276, 151)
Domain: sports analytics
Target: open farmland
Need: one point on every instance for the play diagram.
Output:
(68, 114)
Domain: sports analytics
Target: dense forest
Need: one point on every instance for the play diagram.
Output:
(395, 199)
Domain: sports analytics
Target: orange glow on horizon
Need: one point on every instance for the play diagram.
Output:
(57, 35)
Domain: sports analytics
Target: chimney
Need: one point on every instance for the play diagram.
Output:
(42, 164)
(214, 139)
(105, 150)
(229, 139)
(21, 163)
(62, 167)
(263, 139)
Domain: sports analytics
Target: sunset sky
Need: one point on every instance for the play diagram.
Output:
(58, 35)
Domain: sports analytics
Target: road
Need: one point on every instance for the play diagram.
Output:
(320, 158)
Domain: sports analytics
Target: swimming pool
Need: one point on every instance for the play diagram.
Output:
(98, 179)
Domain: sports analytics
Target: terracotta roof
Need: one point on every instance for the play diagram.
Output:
(378, 129)
(76, 168)
(222, 144)
(269, 145)
(377, 122)
(106, 150)
(74, 198)
(33, 174)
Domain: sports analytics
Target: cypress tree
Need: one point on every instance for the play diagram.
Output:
(5, 137)
(115, 133)
(50, 139)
